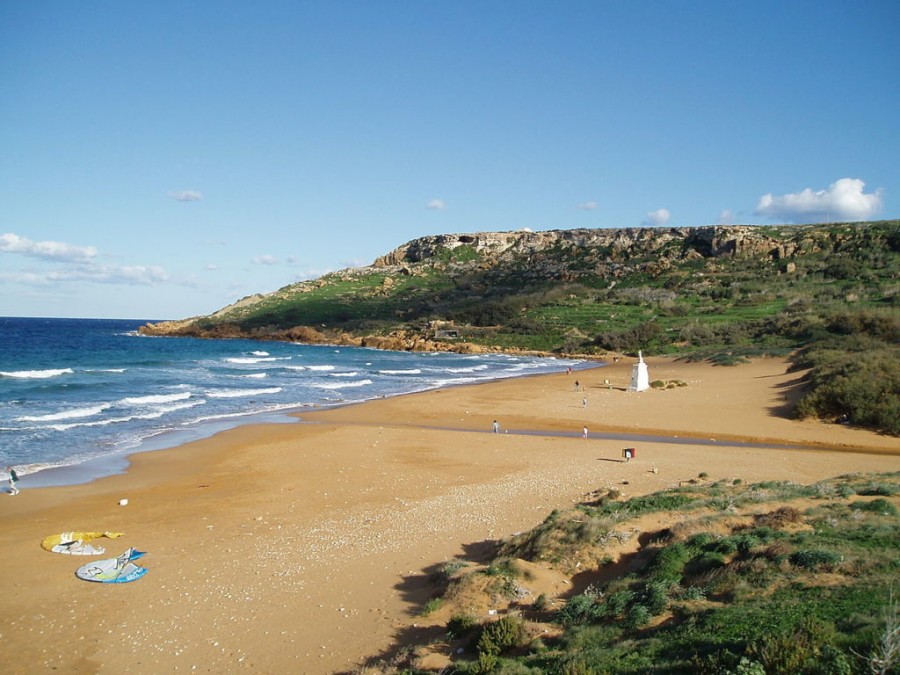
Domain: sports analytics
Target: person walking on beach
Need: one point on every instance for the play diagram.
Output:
(496, 427)
(13, 479)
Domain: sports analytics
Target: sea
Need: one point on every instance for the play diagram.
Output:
(77, 396)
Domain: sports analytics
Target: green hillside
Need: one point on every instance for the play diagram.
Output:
(827, 294)
(773, 578)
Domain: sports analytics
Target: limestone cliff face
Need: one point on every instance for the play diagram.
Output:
(621, 244)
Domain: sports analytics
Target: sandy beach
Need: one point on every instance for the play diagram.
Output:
(303, 548)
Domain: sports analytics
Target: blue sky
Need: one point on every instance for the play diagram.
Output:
(162, 160)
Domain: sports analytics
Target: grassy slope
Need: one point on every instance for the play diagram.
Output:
(766, 578)
(570, 298)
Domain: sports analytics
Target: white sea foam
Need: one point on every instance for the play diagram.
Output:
(250, 359)
(257, 376)
(155, 398)
(408, 371)
(259, 353)
(239, 393)
(37, 374)
(73, 414)
(519, 367)
(467, 369)
(320, 367)
(193, 403)
(342, 385)
(295, 367)
(352, 373)
(97, 423)
(150, 415)
(459, 380)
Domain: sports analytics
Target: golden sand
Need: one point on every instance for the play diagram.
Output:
(303, 548)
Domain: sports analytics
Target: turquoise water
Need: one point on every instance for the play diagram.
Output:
(77, 395)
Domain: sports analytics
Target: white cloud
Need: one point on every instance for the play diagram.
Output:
(265, 260)
(436, 205)
(658, 217)
(72, 263)
(146, 275)
(726, 217)
(141, 275)
(49, 250)
(845, 199)
(186, 195)
(589, 206)
(211, 267)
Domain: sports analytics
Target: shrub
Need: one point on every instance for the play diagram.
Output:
(461, 624)
(806, 648)
(446, 571)
(502, 635)
(638, 616)
(877, 490)
(882, 506)
(581, 609)
(705, 562)
(859, 388)
(432, 605)
(815, 559)
(668, 565)
(617, 602)
(655, 597)
(702, 540)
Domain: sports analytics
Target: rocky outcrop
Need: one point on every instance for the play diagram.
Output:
(617, 244)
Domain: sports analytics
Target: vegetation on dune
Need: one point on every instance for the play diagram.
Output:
(826, 294)
(771, 578)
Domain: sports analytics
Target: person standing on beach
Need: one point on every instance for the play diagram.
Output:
(496, 427)
(13, 479)
(584, 432)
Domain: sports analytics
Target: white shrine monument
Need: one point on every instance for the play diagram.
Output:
(640, 378)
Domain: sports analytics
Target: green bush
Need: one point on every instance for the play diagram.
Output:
(877, 490)
(808, 648)
(857, 388)
(882, 506)
(705, 562)
(815, 559)
(655, 597)
(638, 616)
(502, 635)
(668, 565)
(461, 624)
(616, 603)
(579, 610)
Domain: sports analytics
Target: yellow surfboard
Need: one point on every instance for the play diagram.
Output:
(76, 543)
